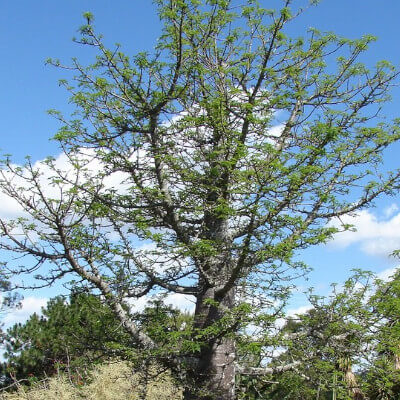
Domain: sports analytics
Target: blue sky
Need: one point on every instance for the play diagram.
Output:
(30, 32)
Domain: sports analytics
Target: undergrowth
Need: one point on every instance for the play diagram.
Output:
(112, 381)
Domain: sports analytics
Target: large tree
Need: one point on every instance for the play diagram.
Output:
(202, 169)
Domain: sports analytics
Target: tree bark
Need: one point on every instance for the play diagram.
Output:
(213, 377)
(396, 362)
(354, 390)
(351, 380)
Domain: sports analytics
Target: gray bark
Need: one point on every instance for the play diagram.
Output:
(213, 377)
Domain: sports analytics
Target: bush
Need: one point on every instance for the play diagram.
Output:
(111, 381)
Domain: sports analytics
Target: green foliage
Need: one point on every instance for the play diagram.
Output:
(383, 374)
(180, 179)
(9, 299)
(74, 336)
(169, 328)
(347, 344)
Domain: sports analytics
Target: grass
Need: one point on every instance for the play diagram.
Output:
(112, 381)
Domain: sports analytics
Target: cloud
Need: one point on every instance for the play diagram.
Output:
(293, 312)
(374, 236)
(181, 302)
(29, 306)
(138, 305)
(276, 131)
(178, 301)
(387, 274)
(51, 187)
(9, 207)
(390, 210)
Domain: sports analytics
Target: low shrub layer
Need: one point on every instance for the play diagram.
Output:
(113, 381)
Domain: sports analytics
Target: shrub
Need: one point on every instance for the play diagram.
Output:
(111, 381)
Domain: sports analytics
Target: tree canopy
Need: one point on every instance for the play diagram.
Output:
(202, 169)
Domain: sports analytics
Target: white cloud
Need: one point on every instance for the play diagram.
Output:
(29, 306)
(375, 236)
(390, 210)
(293, 312)
(138, 305)
(276, 131)
(9, 207)
(64, 165)
(387, 274)
(179, 301)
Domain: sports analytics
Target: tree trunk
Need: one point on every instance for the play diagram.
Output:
(396, 362)
(351, 380)
(353, 387)
(213, 377)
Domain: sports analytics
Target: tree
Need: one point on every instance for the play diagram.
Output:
(383, 373)
(323, 345)
(8, 299)
(203, 169)
(72, 336)
(346, 346)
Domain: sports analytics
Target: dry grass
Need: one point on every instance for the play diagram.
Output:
(114, 381)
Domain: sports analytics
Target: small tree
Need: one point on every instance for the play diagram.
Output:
(383, 373)
(323, 345)
(69, 336)
(202, 170)
(8, 298)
